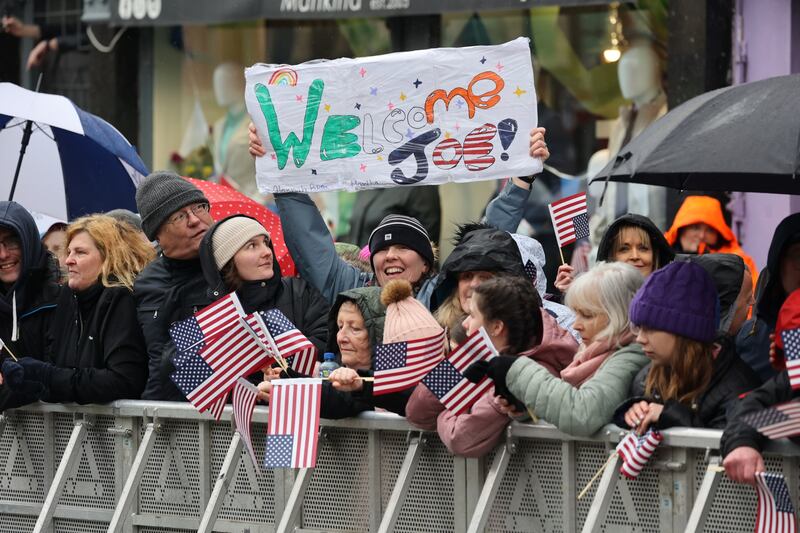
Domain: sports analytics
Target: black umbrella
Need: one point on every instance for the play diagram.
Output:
(740, 138)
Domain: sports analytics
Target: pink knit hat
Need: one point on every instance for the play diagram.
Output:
(406, 318)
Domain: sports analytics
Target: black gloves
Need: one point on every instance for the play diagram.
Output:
(291, 373)
(496, 369)
(26, 388)
(36, 370)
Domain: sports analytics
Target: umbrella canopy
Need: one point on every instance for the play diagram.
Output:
(75, 164)
(740, 138)
(226, 201)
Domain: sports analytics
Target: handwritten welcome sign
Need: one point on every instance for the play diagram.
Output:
(410, 118)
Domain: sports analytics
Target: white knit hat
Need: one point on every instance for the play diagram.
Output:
(230, 235)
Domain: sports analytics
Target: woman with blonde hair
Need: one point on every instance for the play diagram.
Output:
(583, 397)
(95, 351)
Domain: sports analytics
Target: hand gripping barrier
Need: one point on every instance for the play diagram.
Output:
(147, 467)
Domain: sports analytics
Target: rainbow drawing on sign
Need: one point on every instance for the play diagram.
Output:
(283, 76)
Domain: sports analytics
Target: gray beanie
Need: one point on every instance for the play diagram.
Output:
(129, 217)
(161, 194)
(230, 235)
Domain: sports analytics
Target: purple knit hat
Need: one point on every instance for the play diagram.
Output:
(679, 298)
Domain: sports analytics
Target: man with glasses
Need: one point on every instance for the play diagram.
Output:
(176, 214)
(29, 289)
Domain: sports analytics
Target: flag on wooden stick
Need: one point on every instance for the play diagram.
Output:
(400, 365)
(244, 402)
(570, 218)
(636, 450)
(775, 510)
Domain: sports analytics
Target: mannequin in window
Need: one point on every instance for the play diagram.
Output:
(229, 134)
(639, 76)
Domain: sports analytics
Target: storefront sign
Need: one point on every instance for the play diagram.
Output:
(422, 117)
(169, 12)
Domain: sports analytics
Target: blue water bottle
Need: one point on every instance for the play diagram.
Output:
(328, 365)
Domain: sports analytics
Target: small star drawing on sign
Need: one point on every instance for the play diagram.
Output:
(483, 60)
(273, 156)
(459, 103)
(390, 106)
(380, 158)
(328, 108)
(299, 97)
(499, 66)
(458, 126)
(313, 171)
(363, 167)
(519, 92)
(447, 135)
(417, 83)
(373, 91)
(409, 134)
(358, 106)
(403, 96)
(363, 71)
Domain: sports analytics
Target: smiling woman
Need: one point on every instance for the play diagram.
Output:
(94, 350)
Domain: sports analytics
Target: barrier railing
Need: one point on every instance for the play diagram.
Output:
(135, 466)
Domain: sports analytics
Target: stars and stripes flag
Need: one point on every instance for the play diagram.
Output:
(191, 335)
(570, 218)
(400, 365)
(780, 420)
(791, 351)
(207, 378)
(291, 344)
(244, 401)
(293, 431)
(636, 450)
(775, 510)
(447, 380)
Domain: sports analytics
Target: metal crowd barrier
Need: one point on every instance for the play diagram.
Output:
(148, 467)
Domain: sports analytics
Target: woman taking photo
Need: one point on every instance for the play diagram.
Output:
(95, 350)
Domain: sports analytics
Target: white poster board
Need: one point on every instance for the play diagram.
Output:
(409, 118)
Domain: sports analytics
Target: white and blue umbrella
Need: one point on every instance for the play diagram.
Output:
(75, 163)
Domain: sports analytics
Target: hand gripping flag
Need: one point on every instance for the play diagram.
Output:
(636, 451)
(191, 335)
(780, 420)
(293, 431)
(570, 219)
(791, 351)
(291, 344)
(400, 365)
(244, 401)
(447, 380)
(775, 510)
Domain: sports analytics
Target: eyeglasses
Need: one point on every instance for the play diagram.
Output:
(11, 244)
(181, 216)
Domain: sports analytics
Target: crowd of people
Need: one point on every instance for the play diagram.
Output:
(658, 333)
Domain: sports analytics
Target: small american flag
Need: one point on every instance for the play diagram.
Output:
(400, 365)
(636, 451)
(447, 380)
(293, 430)
(778, 421)
(775, 510)
(191, 335)
(570, 218)
(791, 351)
(235, 353)
(191, 375)
(291, 344)
(244, 401)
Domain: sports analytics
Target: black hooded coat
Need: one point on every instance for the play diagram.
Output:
(489, 250)
(663, 251)
(35, 294)
(752, 342)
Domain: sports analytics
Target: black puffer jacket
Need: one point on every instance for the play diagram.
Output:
(302, 304)
(731, 377)
(727, 271)
(738, 433)
(35, 292)
(490, 250)
(97, 347)
(753, 341)
(167, 290)
(663, 253)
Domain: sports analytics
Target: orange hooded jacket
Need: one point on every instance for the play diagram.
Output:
(697, 209)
